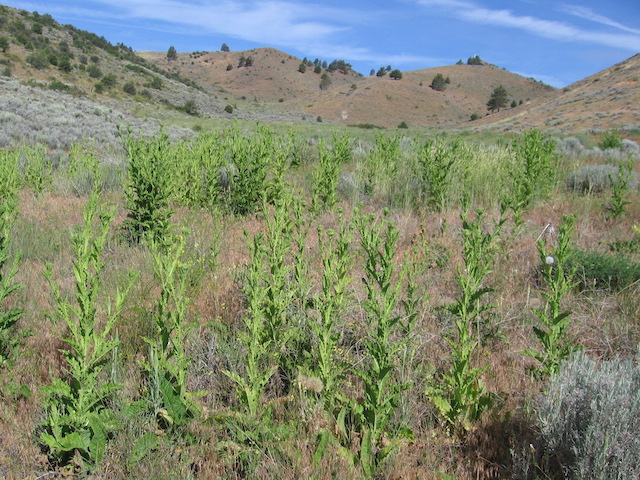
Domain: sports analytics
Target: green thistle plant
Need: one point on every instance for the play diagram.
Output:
(558, 277)
(459, 394)
(78, 423)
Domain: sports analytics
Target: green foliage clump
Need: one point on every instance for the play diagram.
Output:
(151, 184)
(596, 270)
(611, 140)
(190, 108)
(108, 81)
(588, 420)
(38, 60)
(129, 88)
(94, 71)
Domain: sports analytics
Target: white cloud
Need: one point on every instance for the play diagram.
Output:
(588, 14)
(544, 28)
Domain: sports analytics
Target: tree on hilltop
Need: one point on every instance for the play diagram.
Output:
(396, 74)
(172, 54)
(224, 47)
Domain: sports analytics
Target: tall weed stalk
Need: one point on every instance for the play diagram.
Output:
(169, 362)
(558, 278)
(619, 189)
(78, 423)
(459, 393)
(382, 390)
(533, 173)
(337, 260)
(9, 317)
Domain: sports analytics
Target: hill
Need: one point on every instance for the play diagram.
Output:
(273, 81)
(47, 56)
(609, 99)
(268, 85)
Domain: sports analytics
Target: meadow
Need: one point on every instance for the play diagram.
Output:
(270, 302)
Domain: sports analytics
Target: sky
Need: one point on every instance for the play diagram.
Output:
(552, 41)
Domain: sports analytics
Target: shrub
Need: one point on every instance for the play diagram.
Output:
(589, 419)
(596, 178)
(94, 71)
(38, 60)
(403, 125)
(599, 270)
(438, 83)
(190, 108)
(325, 82)
(228, 109)
(129, 88)
(109, 80)
(611, 140)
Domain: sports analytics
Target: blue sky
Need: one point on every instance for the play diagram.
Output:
(553, 41)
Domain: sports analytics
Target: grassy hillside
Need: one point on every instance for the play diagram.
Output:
(605, 100)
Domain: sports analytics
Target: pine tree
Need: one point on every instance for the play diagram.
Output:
(498, 99)
(439, 83)
(172, 54)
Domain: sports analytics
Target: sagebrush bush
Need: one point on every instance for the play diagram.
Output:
(589, 419)
(596, 178)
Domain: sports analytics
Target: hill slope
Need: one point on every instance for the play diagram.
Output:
(274, 81)
(609, 99)
(46, 55)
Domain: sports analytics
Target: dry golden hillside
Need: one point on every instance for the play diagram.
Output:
(610, 99)
(273, 82)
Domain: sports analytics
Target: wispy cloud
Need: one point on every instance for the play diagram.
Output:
(544, 28)
(588, 14)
